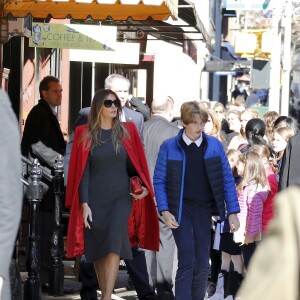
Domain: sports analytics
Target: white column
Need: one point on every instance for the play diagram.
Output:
(286, 61)
(274, 94)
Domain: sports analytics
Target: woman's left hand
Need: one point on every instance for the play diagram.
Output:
(142, 195)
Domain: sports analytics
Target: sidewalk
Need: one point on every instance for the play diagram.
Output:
(120, 290)
(119, 294)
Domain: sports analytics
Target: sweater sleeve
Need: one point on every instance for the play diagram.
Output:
(254, 211)
(84, 183)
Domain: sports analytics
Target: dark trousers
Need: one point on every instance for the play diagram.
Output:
(247, 251)
(192, 238)
(46, 222)
(137, 270)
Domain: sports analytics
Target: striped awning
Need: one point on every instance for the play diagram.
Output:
(95, 9)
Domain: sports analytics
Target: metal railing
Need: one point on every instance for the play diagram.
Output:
(32, 286)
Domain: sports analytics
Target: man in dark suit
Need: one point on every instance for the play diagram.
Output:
(136, 267)
(43, 139)
(156, 131)
(290, 167)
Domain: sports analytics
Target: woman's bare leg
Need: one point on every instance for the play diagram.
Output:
(107, 271)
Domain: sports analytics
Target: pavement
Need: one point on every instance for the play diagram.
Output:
(120, 291)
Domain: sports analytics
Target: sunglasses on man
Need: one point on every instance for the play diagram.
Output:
(108, 103)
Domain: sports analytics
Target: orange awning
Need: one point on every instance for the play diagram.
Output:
(96, 9)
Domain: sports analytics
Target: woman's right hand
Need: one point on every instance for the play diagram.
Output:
(86, 214)
(170, 219)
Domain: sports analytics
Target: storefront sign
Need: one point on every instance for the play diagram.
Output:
(125, 53)
(71, 36)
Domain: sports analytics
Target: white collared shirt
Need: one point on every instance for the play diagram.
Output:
(122, 116)
(188, 141)
(53, 108)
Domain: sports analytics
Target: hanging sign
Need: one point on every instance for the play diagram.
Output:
(248, 5)
(72, 36)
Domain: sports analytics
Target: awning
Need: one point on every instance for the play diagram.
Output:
(95, 9)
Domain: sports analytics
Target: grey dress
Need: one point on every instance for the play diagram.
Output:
(105, 187)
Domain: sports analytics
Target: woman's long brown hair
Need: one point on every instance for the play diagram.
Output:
(92, 138)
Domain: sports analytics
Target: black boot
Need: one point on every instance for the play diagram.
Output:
(236, 281)
(226, 286)
(211, 288)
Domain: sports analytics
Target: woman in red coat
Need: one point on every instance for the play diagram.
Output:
(104, 220)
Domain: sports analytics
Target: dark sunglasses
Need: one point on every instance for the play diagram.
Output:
(108, 103)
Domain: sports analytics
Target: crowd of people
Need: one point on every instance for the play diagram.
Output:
(258, 149)
(208, 180)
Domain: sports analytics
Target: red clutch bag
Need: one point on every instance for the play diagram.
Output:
(136, 187)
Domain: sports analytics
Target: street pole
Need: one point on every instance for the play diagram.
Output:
(285, 92)
(217, 51)
(274, 93)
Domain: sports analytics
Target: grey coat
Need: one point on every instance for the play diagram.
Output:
(10, 188)
(155, 132)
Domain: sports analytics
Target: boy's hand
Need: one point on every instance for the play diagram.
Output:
(234, 222)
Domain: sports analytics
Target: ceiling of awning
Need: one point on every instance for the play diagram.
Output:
(95, 9)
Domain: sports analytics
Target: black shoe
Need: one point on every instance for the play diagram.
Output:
(150, 296)
(68, 291)
(130, 285)
(88, 293)
(211, 289)
(45, 289)
(165, 296)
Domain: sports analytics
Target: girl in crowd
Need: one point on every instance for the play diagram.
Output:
(252, 191)
(104, 155)
(255, 135)
(240, 139)
(268, 210)
(280, 139)
(269, 119)
(213, 127)
(233, 118)
(231, 251)
(219, 110)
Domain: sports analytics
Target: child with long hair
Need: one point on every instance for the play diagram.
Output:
(240, 139)
(231, 250)
(269, 210)
(280, 139)
(252, 191)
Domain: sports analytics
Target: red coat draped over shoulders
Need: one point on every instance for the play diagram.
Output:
(143, 228)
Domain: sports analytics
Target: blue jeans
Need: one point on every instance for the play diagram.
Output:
(192, 238)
